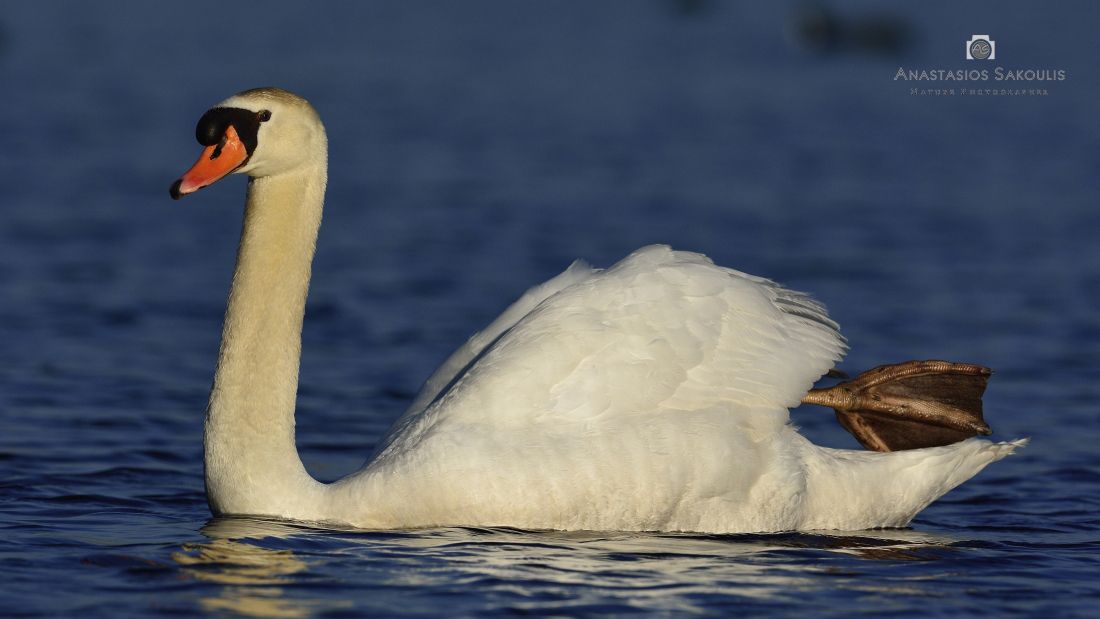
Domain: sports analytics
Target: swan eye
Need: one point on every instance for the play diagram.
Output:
(264, 115)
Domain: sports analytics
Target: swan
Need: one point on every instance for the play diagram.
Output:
(651, 395)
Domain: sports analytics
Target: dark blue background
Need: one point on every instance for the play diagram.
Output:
(476, 149)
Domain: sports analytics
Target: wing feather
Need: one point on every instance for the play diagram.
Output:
(660, 332)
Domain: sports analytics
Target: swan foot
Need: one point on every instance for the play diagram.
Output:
(909, 405)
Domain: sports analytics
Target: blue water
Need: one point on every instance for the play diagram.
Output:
(477, 149)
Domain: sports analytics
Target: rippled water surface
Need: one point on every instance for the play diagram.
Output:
(477, 149)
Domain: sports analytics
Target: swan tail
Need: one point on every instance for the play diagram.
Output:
(861, 490)
(910, 405)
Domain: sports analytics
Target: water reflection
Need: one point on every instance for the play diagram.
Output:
(254, 577)
(266, 567)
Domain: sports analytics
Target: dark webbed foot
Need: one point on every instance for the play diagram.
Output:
(910, 405)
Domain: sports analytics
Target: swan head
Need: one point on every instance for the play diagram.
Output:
(259, 132)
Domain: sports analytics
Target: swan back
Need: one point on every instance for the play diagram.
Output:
(661, 331)
(656, 390)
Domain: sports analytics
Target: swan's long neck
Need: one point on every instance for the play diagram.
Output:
(252, 463)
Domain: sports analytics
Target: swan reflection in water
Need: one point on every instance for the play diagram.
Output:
(265, 567)
(254, 577)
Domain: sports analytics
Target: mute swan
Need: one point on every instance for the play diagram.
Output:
(652, 395)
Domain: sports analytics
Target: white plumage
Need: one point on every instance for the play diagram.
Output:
(652, 395)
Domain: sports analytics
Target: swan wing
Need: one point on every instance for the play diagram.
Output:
(461, 358)
(660, 332)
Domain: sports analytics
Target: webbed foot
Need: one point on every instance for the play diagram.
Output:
(909, 405)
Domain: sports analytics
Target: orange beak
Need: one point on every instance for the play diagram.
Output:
(216, 161)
